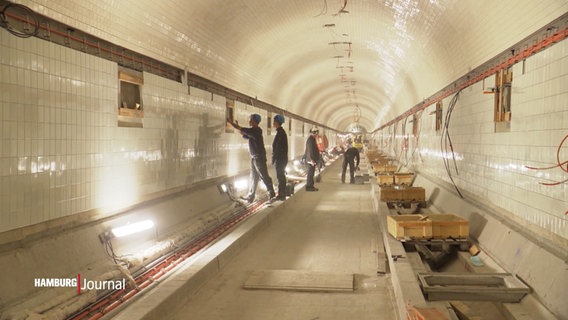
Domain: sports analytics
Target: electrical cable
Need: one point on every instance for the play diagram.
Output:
(393, 140)
(323, 10)
(342, 10)
(557, 165)
(417, 118)
(446, 142)
(109, 250)
(403, 146)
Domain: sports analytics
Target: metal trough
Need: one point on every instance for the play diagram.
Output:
(502, 287)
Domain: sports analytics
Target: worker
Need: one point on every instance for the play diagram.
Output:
(258, 169)
(321, 149)
(280, 155)
(311, 156)
(351, 154)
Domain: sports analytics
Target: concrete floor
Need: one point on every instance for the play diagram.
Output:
(334, 230)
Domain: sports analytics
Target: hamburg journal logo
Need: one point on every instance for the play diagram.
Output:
(80, 284)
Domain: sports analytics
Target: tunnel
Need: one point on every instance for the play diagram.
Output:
(143, 173)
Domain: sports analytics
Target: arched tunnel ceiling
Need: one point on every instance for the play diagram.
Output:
(331, 61)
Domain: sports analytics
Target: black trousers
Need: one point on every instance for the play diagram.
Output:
(280, 166)
(351, 164)
(310, 176)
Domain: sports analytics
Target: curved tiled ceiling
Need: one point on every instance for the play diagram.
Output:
(336, 62)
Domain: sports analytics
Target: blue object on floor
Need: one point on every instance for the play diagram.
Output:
(476, 261)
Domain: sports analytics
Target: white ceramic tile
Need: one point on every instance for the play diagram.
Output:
(172, 114)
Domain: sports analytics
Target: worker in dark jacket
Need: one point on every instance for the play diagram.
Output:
(258, 169)
(280, 155)
(349, 157)
(311, 156)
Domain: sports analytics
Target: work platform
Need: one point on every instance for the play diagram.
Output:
(326, 237)
(317, 255)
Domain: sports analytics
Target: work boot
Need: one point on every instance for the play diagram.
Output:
(248, 198)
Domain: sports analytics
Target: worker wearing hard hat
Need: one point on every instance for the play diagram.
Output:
(257, 155)
(349, 157)
(280, 155)
(311, 155)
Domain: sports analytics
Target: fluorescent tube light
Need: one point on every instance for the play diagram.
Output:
(132, 228)
(223, 188)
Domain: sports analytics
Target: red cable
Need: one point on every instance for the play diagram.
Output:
(558, 155)
(558, 164)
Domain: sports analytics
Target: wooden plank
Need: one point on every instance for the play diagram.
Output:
(416, 313)
(123, 76)
(460, 309)
(131, 113)
(299, 280)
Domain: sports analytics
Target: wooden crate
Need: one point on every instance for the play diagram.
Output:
(409, 226)
(389, 193)
(394, 193)
(377, 166)
(414, 194)
(373, 154)
(390, 168)
(384, 168)
(404, 178)
(448, 225)
(385, 179)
